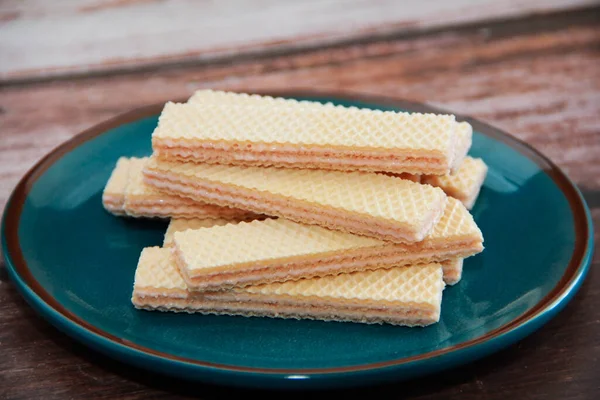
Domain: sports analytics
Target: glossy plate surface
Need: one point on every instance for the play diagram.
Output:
(75, 263)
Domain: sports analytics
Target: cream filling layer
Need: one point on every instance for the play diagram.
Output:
(440, 153)
(199, 157)
(243, 155)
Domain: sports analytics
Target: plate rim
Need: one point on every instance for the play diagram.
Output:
(515, 329)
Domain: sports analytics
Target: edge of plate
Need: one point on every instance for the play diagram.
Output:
(410, 367)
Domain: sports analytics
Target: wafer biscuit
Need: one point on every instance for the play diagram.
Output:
(113, 196)
(463, 129)
(142, 200)
(465, 184)
(280, 250)
(452, 268)
(401, 296)
(369, 204)
(307, 137)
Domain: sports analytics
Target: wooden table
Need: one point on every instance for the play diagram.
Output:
(531, 68)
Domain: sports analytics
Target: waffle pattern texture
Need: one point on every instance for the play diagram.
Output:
(297, 209)
(113, 196)
(355, 129)
(218, 97)
(464, 139)
(465, 184)
(230, 128)
(369, 204)
(407, 296)
(278, 250)
(126, 194)
(463, 130)
(156, 271)
(183, 224)
(207, 96)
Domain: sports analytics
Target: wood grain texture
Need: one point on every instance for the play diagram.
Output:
(40, 38)
(537, 78)
(541, 82)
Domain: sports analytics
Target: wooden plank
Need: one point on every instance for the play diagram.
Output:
(46, 39)
(542, 86)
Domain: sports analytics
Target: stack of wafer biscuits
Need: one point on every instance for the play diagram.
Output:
(297, 209)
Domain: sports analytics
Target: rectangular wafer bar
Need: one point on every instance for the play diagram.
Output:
(279, 250)
(211, 97)
(367, 204)
(307, 137)
(401, 296)
(452, 268)
(465, 184)
(126, 194)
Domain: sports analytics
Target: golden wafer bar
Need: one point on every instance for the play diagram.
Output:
(408, 296)
(452, 268)
(464, 130)
(366, 204)
(314, 137)
(278, 250)
(465, 184)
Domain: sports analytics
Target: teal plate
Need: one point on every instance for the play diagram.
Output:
(74, 263)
